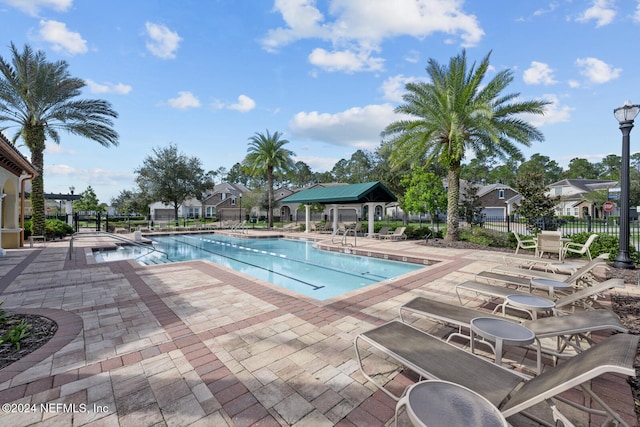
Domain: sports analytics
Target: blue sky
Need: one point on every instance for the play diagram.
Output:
(207, 74)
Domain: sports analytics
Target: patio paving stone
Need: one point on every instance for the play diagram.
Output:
(197, 344)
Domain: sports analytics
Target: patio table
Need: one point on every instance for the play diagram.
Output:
(436, 403)
(503, 332)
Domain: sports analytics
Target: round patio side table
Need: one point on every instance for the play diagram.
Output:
(435, 403)
(501, 332)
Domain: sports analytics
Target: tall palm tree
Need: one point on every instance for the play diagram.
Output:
(266, 154)
(39, 96)
(456, 112)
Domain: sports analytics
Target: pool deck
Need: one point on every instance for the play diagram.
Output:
(196, 344)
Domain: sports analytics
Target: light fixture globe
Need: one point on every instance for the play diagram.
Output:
(627, 112)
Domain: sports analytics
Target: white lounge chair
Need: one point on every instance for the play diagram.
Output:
(525, 243)
(382, 232)
(579, 248)
(577, 277)
(585, 298)
(517, 276)
(432, 358)
(570, 332)
(397, 234)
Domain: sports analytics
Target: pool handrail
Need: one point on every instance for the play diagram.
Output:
(116, 237)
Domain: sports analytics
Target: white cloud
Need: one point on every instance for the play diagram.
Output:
(53, 148)
(108, 87)
(317, 163)
(32, 7)
(82, 178)
(597, 71)
(61, 38)
(601, 11)
(395, 86)
(184, 100)
(636, 15)
(554, 113)
(244, 104)
(345, 60)
(162, 42)
(538, 73)
(358, 28)
(413, 57)
(356, 127)
(574, 84)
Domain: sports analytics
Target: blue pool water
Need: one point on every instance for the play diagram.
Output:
(292, 264)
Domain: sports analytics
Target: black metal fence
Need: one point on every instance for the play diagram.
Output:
(566, 225)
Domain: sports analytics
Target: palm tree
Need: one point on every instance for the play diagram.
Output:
(267, 154)
(39, 96)
(457, 112)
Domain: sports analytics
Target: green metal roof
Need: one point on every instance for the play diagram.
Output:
(351, 193)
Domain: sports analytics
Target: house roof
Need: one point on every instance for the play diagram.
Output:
(353, 193)
(586, 185)
(491, 187)
(12, 160)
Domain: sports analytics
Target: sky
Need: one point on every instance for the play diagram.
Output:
(206, 75)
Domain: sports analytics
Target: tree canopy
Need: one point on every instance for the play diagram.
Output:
(455, 112)
(41, 98)
(268, 156)
(172, 177)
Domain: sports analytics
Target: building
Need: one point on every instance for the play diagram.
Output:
(223, 202)
(575, 197)
(498, 200)
(15, 170)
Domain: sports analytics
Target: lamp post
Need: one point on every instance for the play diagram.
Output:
(625, 115)
(241, 207)
(70, 220)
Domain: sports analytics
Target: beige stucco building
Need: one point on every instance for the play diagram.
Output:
(15, 169)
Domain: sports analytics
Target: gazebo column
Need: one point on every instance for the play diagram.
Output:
(307, 216)
(370, 218)
(335, 218)
(68, 209)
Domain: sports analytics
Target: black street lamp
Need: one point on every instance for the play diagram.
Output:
(625, 115)
(241, 207)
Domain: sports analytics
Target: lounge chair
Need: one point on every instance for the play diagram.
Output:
(570, 332)
(521, 276)
(382, 232)
(585, 298)
(524, 261)
(525, 243)
(397, 234)
(579, 248)
(432, 358)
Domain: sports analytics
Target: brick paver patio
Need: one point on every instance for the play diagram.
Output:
(195, 343)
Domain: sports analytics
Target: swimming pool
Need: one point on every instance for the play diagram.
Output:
(291, 264)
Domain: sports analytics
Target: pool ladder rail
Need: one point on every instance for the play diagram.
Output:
(352, 228)
(118, 237)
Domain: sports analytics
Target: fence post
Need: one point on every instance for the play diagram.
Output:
(589, 223)
(98, 222)
(106, 223)
(508, 223)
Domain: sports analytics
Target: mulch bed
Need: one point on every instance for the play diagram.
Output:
(42, 330)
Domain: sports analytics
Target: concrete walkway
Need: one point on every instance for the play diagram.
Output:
(194, 343)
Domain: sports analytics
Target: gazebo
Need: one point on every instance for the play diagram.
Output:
(367, 194)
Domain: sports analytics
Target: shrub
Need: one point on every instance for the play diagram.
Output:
(419, 233)
(484, 236)
(54, 228)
